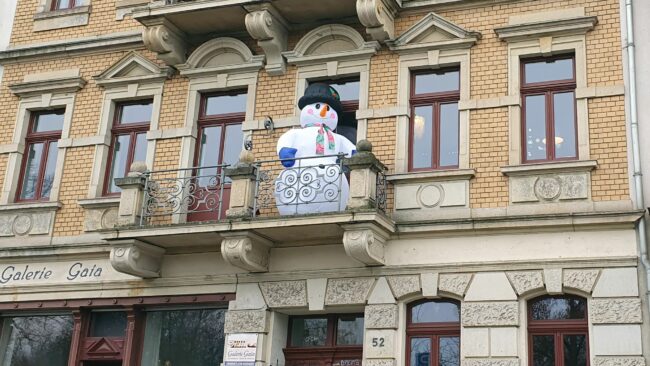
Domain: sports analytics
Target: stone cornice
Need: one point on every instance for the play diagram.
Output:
(61, 85)
(107, 42)
(560, 27)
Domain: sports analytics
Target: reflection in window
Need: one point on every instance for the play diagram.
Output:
(107, 324)
(308, 332)
(349, 330)
(36, 340)
(435, 312)
(433, 333)
(318, 331)
(558, 308)
(184, 337)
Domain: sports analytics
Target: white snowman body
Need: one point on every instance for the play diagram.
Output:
(315, 184)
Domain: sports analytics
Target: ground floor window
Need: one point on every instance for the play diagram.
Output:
(433, 333)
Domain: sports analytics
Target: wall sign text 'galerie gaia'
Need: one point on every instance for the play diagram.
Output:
(29, 273)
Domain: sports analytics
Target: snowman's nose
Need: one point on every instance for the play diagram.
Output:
(323, 111)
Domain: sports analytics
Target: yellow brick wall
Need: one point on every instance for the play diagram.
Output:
(74, 186)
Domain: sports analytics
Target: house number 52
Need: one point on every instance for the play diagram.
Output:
(378, 342)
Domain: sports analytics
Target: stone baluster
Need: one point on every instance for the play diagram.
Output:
(242, 187)
(364, 167)
(132, 187)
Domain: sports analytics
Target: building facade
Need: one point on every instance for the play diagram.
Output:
(490, 218)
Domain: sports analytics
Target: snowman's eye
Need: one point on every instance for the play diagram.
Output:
(317, 106)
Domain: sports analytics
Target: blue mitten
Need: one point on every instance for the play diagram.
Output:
(288, 153)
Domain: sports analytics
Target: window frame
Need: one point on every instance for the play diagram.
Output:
(56, 4)
(435, 100)
(557, 328)
(330, 338)
(548, 89)
(432, 330)
(32, 138)
(118, 129)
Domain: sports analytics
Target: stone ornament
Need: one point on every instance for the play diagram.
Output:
(488, 314)
(553, 280)
(403, 286)
(246, 321)
(382, 316)
(366, 245)
(455, 284)
(167, 41)
(108, 218)
(285, 293)
(547, 188)
(270, 30)
(615, 311)
(246, 250)
(137, 258)
(583, 280)
(526, 281)
(378, 18)
(348, 291)
(22, 224)
(619, 361)
(430, 195)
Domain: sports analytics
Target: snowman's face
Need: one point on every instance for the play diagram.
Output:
(319, 113)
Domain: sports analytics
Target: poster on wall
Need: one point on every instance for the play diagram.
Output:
(241, 349)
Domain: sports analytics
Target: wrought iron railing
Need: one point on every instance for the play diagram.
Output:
(183, 192)
(311, 185)
(381, 192)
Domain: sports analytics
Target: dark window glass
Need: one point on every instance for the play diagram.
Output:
(543, 71)
(37, 340)
(561, 308)
(535, 127)
(184, 337)
(420, 351)
(107, 324)
(225, 104)
(50, 121)
(437, 82)
(449, 351)
(349, 330)
(564, 125)
(543, 350)
(449, 134)
(50, 169)
(32, 169)
(119, 160)
(422, 137)
(575, 350)
(308, 332)
(435, 312)
(136, 113)
(209, 154)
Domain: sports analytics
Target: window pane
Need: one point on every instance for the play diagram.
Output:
(575, 350)
(37, 340)
(348, 90)
(308, 332)
(184, 337)
(222, 104)
(422, 137)
(118, 161)
(347, 126)
(543, 350)
(541, 71)
(449, 134)
(63, 4)
(420, 351)
(51, 121)
(564, 125)
(209, 154)
(435, 312)
(535, 125)
(233, 145)
(107, 324)
(558, 309)
(349, 330)
(140, 150)
(50, 169)
(436, 83)
(136, 113)
(449, 351)
(32, 167)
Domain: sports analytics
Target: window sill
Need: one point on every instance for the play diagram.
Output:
(29, 206)
(100, 202)
(436, 175)
(549, 168)
(58, 19)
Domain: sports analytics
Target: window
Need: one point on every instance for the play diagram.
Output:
(433, 333)
(434, 125)
(557, 331)
(63, 4)
(36, 340)
(220, 142)
(39, 160)
(348, 90)
(549, 130)
(129, 131)
(325, 340)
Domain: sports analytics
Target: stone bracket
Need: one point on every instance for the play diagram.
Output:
(365, 243)
(268, 27)
(378, 16)
(137, 258)
(163, 38)
(246, 250)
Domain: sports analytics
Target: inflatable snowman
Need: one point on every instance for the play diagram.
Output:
(315, 183)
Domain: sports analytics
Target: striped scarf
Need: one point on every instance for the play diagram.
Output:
(320, 139)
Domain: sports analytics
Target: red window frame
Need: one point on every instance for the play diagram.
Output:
(118, 129)
(433, 331)
(46, 138)
(558, 329)
(435, 100)
(56, 4)
(548, 89)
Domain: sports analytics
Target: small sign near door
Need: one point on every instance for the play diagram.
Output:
(241, 349)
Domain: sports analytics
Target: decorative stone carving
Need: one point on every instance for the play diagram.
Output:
(246, 250)
(348, 291)
(488, 314)
(619, 361)
(615, 311)
(365, 243)
(108, 218)
(382, 316)
(246, 321)
(23, 222)
(581, 279)
(269, 28)
(454, 283)
(380, 362)
(526, 281)
(404, 285)
(547, 188)
(284, 294)
(136, 258)
(490, 362)
(378, 18)
(553, 280)
(433, 33)
(163, 38)
(427, 196)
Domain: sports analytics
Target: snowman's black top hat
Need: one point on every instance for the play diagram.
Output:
(319, 92)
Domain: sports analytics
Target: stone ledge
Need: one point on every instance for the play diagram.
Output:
(31, 206)
(62, 13)
(544, 168)
(62, 85)
(570, 26)
(453, 174)
(58, 19)
(100, 202)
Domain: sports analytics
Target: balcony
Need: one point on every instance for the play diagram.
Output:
(246, 209)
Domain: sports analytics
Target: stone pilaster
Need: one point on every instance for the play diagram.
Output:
(132, 186)
(364, 167)
(242, 189)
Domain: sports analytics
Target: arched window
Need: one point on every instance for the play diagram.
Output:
(558, 331)
(433, 333)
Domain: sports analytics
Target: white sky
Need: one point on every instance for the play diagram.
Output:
(7, 11)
